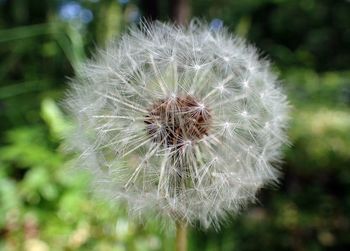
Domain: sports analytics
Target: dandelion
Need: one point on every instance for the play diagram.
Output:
(184, 122)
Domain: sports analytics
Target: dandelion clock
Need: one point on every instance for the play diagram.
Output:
(183, 122)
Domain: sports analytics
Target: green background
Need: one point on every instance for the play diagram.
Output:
(45, 206)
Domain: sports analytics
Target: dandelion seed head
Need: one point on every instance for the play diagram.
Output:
(184, 122)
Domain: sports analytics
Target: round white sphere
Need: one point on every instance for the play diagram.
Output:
(184, 122)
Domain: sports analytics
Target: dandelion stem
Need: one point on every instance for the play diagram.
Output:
(181, 236)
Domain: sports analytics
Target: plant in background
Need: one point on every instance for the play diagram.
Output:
(184, 122)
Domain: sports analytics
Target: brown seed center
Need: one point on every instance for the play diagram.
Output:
(176, 120)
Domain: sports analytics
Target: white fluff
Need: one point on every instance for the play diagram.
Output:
(221, 171)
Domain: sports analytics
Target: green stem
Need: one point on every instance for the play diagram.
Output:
(181, 236)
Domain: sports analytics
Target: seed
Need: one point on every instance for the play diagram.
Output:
(173, 121)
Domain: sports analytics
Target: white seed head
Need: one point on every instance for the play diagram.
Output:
(185, 122)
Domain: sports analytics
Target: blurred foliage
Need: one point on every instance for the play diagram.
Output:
(44, 205)
(303, 33)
